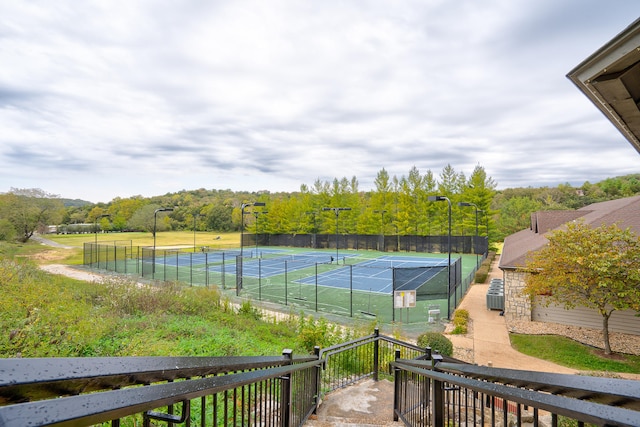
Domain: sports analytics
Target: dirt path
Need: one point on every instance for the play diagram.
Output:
(74, 273)
(48, 242)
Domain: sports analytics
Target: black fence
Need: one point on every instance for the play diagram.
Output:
(395, 243)
(117, 257)
(204, 391)
(438, 392)
(368, 357)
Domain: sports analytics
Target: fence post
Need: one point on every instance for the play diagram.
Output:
(285, 390)
(438, 394)
(376, 353)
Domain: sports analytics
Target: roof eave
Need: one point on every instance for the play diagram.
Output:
(617, 55)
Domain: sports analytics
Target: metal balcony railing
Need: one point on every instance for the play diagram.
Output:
(437, 393)
(430, 390)
(205, 391)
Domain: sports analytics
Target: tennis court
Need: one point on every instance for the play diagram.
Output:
(352, 283)
(359, 284)
(273, 263)
(376, 275)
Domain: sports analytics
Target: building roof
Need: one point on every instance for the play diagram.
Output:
(610, 78)
(624, 212)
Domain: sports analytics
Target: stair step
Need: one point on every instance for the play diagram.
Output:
(348, 422)
(367, 403)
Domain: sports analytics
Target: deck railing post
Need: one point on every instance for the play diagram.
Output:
(376, 353)
(285, 391)
(318, 371)
(397, 386)
(437, 400)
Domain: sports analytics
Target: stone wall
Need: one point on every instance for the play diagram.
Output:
(517, 305)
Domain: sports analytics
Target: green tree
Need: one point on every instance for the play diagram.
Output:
(30, 210)
(515, 215)
(382, 202)
(121, 210)
(597, 268)
(480, 190)
(217, 217)
(145, 219)
(7, 230)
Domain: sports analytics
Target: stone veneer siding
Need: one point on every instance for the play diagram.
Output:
(517, 305)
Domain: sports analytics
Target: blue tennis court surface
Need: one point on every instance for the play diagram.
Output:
(376, 275)
(196, 258)
(274, 265)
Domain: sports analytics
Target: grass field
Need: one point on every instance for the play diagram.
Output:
(572, 354)
(163, 239)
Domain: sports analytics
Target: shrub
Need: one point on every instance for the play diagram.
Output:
(247, 309)
(481, 275)
(460, 321)
(437, 342)
(459, 330)
(320, 332)
(461, 315)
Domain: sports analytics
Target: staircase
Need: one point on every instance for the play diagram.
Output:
(366, 403)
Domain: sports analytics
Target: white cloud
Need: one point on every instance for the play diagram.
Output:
(100, 99)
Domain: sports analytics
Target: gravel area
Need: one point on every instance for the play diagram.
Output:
(620, 343)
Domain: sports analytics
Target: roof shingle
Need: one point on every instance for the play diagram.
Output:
(624, 212)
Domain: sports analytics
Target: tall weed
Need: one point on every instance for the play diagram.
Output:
(43, 315)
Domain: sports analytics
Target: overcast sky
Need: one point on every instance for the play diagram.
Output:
(104, 99)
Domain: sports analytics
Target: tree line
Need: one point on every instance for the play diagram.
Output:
(397, 205)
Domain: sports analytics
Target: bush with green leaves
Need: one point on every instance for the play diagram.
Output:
(481, 275)
(318, 332)
(437, 342)
(460, 321)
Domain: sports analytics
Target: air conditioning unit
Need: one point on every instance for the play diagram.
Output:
(495, 300)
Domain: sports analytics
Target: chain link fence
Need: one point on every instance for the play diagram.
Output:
(317, 280)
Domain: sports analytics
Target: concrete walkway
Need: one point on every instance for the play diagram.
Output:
(489, 342)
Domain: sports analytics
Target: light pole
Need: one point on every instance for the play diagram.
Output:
(245, 205)
(337, 212)
(95, 225)
(256, 214)
(474, 243)
(155, 222)
(440, 199)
